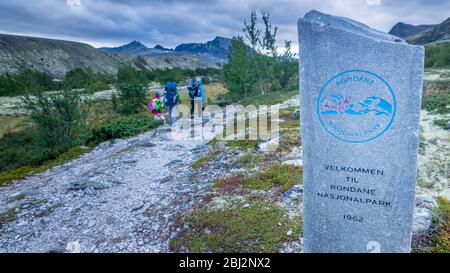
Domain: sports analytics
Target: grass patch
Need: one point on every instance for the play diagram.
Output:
(18, 197)
(123, 126)
(243, 145)
(250, 160)
(437, 102)
(270, 98)
(277, 175)
(212, 92)
(12, 124)
(443, 123)
(260, 227)
(289, 121)
(290, 124)
(8, 176)
(289, 139)
(8, 215)
(204, 160)
(437, 238)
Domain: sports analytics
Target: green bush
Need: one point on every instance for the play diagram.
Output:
(259, 68)
(438, 102)
(60, 118)
(122, 126)
(22, 148)
(179, 75)
(437, 55)
(25, 81)
(84, 78)
(132, 87)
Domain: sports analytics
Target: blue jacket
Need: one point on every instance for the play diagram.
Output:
(202, 93)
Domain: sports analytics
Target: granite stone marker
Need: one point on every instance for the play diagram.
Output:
(360, 104)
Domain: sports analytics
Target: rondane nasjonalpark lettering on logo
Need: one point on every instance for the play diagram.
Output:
(356, 106)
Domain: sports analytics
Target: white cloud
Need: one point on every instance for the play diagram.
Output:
(373, 2)
(74, 3)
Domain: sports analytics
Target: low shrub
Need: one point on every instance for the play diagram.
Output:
(123, 126)
(438, 102)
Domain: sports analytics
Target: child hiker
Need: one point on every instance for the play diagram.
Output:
(156, 105)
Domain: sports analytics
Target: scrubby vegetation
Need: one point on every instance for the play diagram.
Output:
(204, 160)
(259, 69)
(59, 118)
(209, 75)
(132, 89)
(276, 175)
(40, 163)
(438, 102)
(438, 55)
(84, 78)
(122, 127)
(242, 226)
(437, 238)
(63, 121)
(27, 80)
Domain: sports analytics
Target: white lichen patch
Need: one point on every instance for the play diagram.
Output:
(433, 177)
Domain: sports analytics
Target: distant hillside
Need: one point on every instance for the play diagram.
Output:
(136, 48)
(54, 57)
(218, 47)
(403, 30)
(184, 60)
(57, 57)
(438, 33)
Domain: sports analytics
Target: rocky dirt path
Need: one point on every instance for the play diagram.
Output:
(122, 196)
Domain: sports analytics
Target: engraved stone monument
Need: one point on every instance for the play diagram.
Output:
(360, 104)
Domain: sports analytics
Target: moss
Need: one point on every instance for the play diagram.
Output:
(250, 160)
(258, 227)
(290, 124)
(437, 238)
(243, 145)
(8, 215)
(203, 160)
(289, 139)
(443, 123)
(437, 102)
(18, 197)
(277, 175)
(6, 177)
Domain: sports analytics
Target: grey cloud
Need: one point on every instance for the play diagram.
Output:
(170, 22)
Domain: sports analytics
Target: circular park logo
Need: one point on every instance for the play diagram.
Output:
(356, 106)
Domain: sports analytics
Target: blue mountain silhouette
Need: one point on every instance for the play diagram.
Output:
(372, 104)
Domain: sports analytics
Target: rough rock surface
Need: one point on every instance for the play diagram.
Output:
(121, 197)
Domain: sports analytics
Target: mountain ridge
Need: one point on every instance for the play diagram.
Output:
(438, 33)
(56, 57)
(404, 30)
(422, 34)
(217, 48)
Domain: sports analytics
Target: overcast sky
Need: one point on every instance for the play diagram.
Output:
(171, 22)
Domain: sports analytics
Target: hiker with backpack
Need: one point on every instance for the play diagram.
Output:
(171, 98)
(196, 94)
